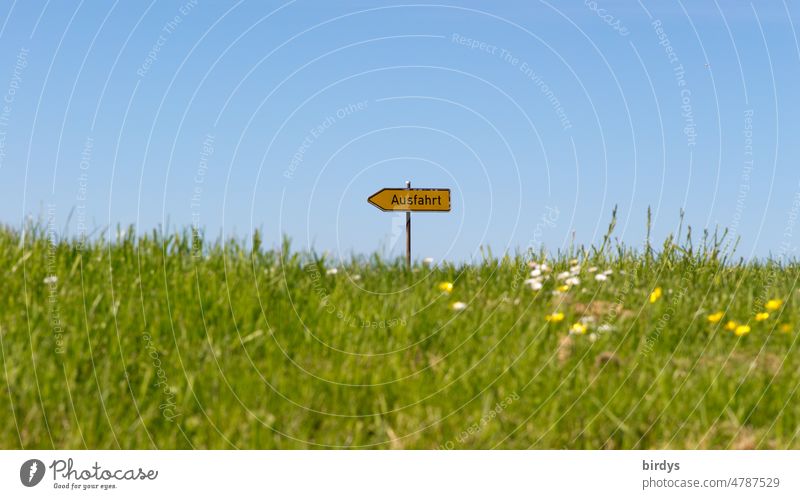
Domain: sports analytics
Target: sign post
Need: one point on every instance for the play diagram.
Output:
(408, 231)
(408, 200)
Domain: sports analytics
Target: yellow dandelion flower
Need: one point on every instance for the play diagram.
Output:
(731, 325)
(762, 316)
(655, 295)
(742, 330)
(785, 328)
(773, 305)
(554, 317)
(563, 288)
(578, 328)
(446, 287)
(715, 317)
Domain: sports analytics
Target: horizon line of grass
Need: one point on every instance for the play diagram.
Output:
(713, 248)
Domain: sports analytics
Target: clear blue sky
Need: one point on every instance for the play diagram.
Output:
(287, 116)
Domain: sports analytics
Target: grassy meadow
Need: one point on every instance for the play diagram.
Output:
(172, 341)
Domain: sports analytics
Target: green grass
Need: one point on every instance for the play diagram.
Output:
(165, 346)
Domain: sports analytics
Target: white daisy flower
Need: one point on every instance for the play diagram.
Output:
(536, 273)
(608, 272)
(575, 269)
(535, 284)
(459, 305)
(562, 276)
(592, 269)
(332, 271)
(605, 328)
(427, 260)
(592, 337)
(572, 281)
(51, 279)
(544, 267)
(600, 277)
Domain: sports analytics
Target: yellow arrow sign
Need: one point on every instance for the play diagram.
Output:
(411, 199)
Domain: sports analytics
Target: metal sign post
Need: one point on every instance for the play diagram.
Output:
(408, 231)
(408, 200)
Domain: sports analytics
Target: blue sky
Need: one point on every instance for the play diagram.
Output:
(288, 115)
